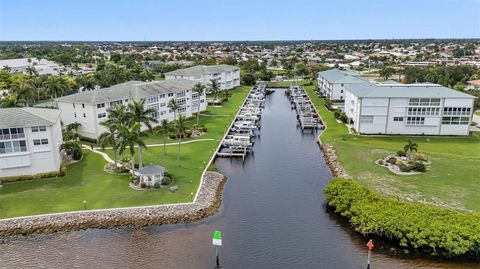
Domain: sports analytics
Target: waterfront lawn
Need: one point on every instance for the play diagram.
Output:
(282, 84)
(86, 180)
(452, 180)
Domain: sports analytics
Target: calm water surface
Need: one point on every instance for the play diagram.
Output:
(273, 216)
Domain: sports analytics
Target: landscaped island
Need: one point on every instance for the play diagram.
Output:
(87, 180)
(436, 211)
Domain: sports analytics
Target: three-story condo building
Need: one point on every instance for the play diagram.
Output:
(30, 140)
(227, 76)
(408, 109)
(332, 83)
(90, 108)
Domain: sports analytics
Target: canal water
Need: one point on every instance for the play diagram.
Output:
(273, 216)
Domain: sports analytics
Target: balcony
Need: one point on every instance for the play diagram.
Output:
(12, 136)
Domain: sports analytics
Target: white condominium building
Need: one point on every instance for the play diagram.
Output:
(90, 108)
(332, 83)
(30, 140)
(227, 76)
(410, 109)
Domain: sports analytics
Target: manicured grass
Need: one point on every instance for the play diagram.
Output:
(86, 180)
(453, 179)
(274, 84)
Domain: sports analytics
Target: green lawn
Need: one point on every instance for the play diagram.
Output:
(274, 84)
(86, 180)
(453, 179)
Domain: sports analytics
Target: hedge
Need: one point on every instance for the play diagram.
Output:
(62, 172)
(428, 228)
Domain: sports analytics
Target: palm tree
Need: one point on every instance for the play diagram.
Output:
(11, 100)
(410, 146)
(24, 90)
(141, 115)
(117, 115)
(56, 86)
(87, 82)
(214, 88)
(386, 72)
(199, 89)
(173, 105)
(109, 138)
(31, 70)
(163, 129)
(181, 127)
(71, 131)
(129, 137)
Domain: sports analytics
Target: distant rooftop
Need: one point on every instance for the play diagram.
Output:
(340, 76)
(24, 62)
(202, 69)
(130, 89)
(421, 90)
(27, 117)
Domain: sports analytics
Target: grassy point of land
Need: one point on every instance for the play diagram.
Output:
(452, 181)
(86, 180)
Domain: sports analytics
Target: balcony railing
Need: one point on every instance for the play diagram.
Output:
(12, 136)
(13, 150)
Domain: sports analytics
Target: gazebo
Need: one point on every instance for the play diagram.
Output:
(151, 174)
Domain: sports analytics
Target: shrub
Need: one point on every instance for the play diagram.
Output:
(143, 185)
(188, 133)
(343, 117)
(337, 113)
(420, 157)
(156, 185)
(328, 104)
(398, 162)
(60, 173)
(434, 229)
(166, 181)
(419, 167)
(401, 153)
(380, 162)
(405, 168)
(392, 160)
(213, 167)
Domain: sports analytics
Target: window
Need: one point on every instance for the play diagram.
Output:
(83, 105)
(74, 114)
(163, 104)
(456, 111)
(102, 115)
(118, 102)
(102, 105)
(39, 129)
(13, 146)
(424, 101)
(84, 115)
(415, 120)
(38, 142)
(152, 99)
(73, 105)
(366, 119)
(397, 118)
(455, 120)
(162, 96)
(170, 94)
(420, 111)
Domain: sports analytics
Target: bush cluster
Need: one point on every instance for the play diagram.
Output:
(401, 153)
(62, 172)
(427, 228)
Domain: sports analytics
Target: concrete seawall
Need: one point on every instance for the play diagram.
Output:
(207, 203)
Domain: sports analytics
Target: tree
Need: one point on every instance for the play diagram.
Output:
(410, 146)
(87, 82)
(56, 86)
(386, 72)
(117, 115)
(248, 79)
(214, 88)
(71, 132)
(199, 89)
(129, 137)
(31, 70)
(109, 138)
(173, 105)
(143, 116)
(24, 90)
(73, 149)
(181, 127)
(163, 130)
(11, 100)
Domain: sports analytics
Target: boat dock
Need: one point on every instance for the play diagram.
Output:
(306, 114)
(239, 140)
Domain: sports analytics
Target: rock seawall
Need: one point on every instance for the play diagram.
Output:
(332, 161)
(208, 202)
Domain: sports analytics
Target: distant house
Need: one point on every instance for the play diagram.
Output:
(227, 76)
(30, 140)
(89, 108)
(332, 83)
(408, 109)
(473, 85)
(42, 66)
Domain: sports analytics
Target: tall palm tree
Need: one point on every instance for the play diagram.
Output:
(214, 88)
(410, 146)
(117, 115)
(71, 131)
(11, 100)
(181, 127)
(199, 89)
(31, 70)
(163, 129)
(56, 86)
(129, 137)
(173, 105)
(143, 116)
(24, 90)
(87, 82)
(109, 138)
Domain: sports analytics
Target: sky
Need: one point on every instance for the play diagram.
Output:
(209, 20)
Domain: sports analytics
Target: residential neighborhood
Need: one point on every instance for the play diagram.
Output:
(239, 134)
